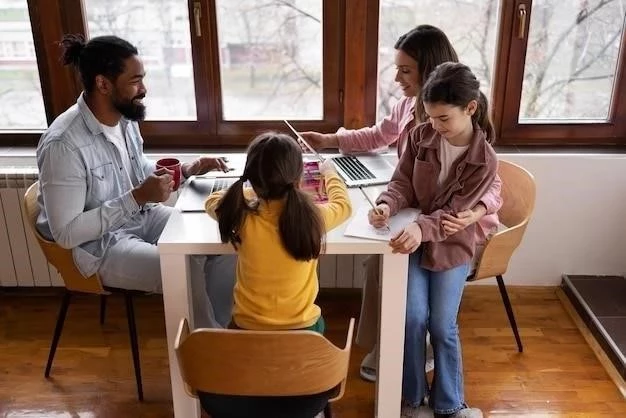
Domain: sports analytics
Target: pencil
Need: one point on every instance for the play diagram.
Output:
(372, 204)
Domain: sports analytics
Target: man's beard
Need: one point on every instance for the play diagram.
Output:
(129, 109)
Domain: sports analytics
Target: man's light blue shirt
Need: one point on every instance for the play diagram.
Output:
(84, 193)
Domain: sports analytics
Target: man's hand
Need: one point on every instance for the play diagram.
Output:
(453, 224)
(407, 241)
(203, 165)
(155, 188)
(319, 141)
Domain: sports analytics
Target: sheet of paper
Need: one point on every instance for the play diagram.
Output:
(360, 227)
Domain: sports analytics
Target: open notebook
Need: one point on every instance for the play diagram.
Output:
(360, 227)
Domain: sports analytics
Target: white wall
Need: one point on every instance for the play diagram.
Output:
(579, 223)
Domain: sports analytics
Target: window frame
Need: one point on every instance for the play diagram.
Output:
(241, 131)
(511, 51)
(350, 81)
(61, 87)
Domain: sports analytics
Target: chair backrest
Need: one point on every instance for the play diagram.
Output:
(518, 195)
(261, 363)
(61, 258)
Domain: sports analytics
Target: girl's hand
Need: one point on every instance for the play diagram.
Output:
(327, 167)
(407, 241)
(380, 217)
(453, 224)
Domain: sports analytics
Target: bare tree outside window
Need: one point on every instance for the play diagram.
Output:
(21, 100)
(470, 25)
(571, 60)
(271, 59)
(160, 30)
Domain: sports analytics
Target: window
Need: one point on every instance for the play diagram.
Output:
(21, 100)
(271, 59)
(564, 77)
(470, 26)
(221, 71)
(571, 61)
(160, 31)
(274, 60)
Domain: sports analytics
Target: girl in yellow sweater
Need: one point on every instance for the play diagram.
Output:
(278, 239)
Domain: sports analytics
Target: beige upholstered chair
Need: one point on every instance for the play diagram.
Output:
(61, 258)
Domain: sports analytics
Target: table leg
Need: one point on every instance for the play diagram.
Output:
(393, 274)
(176, 301)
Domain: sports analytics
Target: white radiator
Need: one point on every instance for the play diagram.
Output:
(23, 264)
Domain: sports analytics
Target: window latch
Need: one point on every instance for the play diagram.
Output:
(197, 14)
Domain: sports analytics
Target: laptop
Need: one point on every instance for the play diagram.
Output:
(357, 171)
(365, 170)
(196, 190)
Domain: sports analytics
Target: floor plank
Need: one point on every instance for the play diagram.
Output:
(558, 374)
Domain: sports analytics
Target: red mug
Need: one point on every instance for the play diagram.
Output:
(171, 164)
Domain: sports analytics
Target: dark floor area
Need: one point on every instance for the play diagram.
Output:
(601, 302)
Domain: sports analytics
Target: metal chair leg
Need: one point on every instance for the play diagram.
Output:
(103, 308)
(57, 331)
(509, 312)
(132, 330)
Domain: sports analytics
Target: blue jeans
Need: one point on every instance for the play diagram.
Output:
(133, 263)
(433, 299)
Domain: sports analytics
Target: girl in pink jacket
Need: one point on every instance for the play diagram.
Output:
(418, 52)
(448, 165)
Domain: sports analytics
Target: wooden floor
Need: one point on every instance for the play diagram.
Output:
(557, 376)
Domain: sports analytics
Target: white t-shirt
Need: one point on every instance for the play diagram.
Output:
(115, 134)
(448, 154)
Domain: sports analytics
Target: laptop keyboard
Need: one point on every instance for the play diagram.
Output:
(353, 168)
(221, 184)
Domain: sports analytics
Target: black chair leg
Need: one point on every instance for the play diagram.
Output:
(132, 330)
(57, 331)
(103, 308)
(328, 413)
(509, 312)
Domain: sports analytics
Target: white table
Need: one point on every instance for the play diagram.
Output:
(195, 233)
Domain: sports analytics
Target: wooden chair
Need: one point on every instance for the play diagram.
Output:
(518, 195)
(257, 365)
(75, 282)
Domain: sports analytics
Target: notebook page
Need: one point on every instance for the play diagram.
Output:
(360, 227)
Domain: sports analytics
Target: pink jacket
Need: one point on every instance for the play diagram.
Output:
(393, 128)
(414, 184)
(396, 128)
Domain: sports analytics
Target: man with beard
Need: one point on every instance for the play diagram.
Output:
(100, 196)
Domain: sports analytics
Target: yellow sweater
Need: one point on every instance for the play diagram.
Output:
(273, 290)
